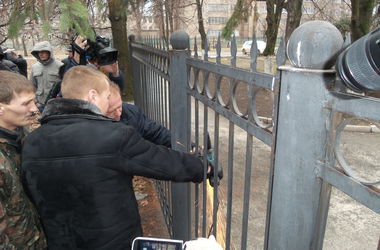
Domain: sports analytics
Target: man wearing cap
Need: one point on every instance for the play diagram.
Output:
(69, 56)
(45, 73)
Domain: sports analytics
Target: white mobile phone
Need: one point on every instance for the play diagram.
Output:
(146, 243)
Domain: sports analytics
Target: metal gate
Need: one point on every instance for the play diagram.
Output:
(277, 186)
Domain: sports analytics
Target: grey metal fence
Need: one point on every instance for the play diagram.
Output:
(278, 174)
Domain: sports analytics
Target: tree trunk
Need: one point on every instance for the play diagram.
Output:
(274, 10)
(201, 27)
(118, 18)
(294, 9)
(14, 43)
(255, 17)
(24, 46)
(361, 18)
(136, 7)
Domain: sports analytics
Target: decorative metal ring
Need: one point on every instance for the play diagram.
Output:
(204, 75)
(233, 101)
(194, 83)
(207, 88)
(219, 96)
(256, 90)
(339, 156)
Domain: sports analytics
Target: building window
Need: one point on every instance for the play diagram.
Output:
(217, 20)
(218, 7)
(213, 33)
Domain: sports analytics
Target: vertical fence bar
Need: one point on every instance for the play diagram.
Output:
(247, 189)
(204, 184)
(216, 164)
(196, 200)
(231, 137)
(179, 122)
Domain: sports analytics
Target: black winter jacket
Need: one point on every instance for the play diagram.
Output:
(148, 129)
(78, 167)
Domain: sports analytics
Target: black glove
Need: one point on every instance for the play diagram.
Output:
(211, 167)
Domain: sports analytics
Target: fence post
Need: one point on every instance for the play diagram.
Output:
(302, 140)
(179, 113)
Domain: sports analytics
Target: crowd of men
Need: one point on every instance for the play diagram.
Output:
(68, 183)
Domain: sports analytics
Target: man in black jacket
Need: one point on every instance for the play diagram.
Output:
(130, 114)
(18, 60)
(6, 64)
(79, 167)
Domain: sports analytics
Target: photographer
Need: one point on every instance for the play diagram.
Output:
(97, 54)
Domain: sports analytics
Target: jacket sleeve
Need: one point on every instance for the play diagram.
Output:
(118, 80)
(140, 157)
(33, 79)
(149, 129)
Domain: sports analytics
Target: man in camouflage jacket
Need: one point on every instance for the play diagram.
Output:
(19, 223)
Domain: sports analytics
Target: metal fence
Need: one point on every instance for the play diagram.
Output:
(278, 174)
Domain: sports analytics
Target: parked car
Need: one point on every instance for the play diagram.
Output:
(247, 47)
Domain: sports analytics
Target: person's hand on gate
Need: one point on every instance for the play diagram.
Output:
(210, 163)
(211, 169)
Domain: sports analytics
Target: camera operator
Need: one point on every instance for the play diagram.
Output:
(104, 58)
(97, 54)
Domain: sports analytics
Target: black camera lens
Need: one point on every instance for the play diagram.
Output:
(359, 65)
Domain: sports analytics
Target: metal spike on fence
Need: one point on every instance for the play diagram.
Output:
(233, 50)
(281, 54)
(254, 53)
(205, 56)
(195, 48)
(218, 50)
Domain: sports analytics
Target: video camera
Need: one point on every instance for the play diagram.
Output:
(98, 51)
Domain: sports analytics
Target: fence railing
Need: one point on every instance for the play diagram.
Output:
(278, 176)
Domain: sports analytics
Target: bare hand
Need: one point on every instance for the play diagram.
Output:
(81, 42)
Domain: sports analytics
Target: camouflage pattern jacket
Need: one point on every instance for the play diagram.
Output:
(19, 223)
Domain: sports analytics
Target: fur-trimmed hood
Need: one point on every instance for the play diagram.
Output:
(68, 108)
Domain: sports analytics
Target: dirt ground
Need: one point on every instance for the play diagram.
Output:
(152, 219)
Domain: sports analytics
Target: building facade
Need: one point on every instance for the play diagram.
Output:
(217, 12)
